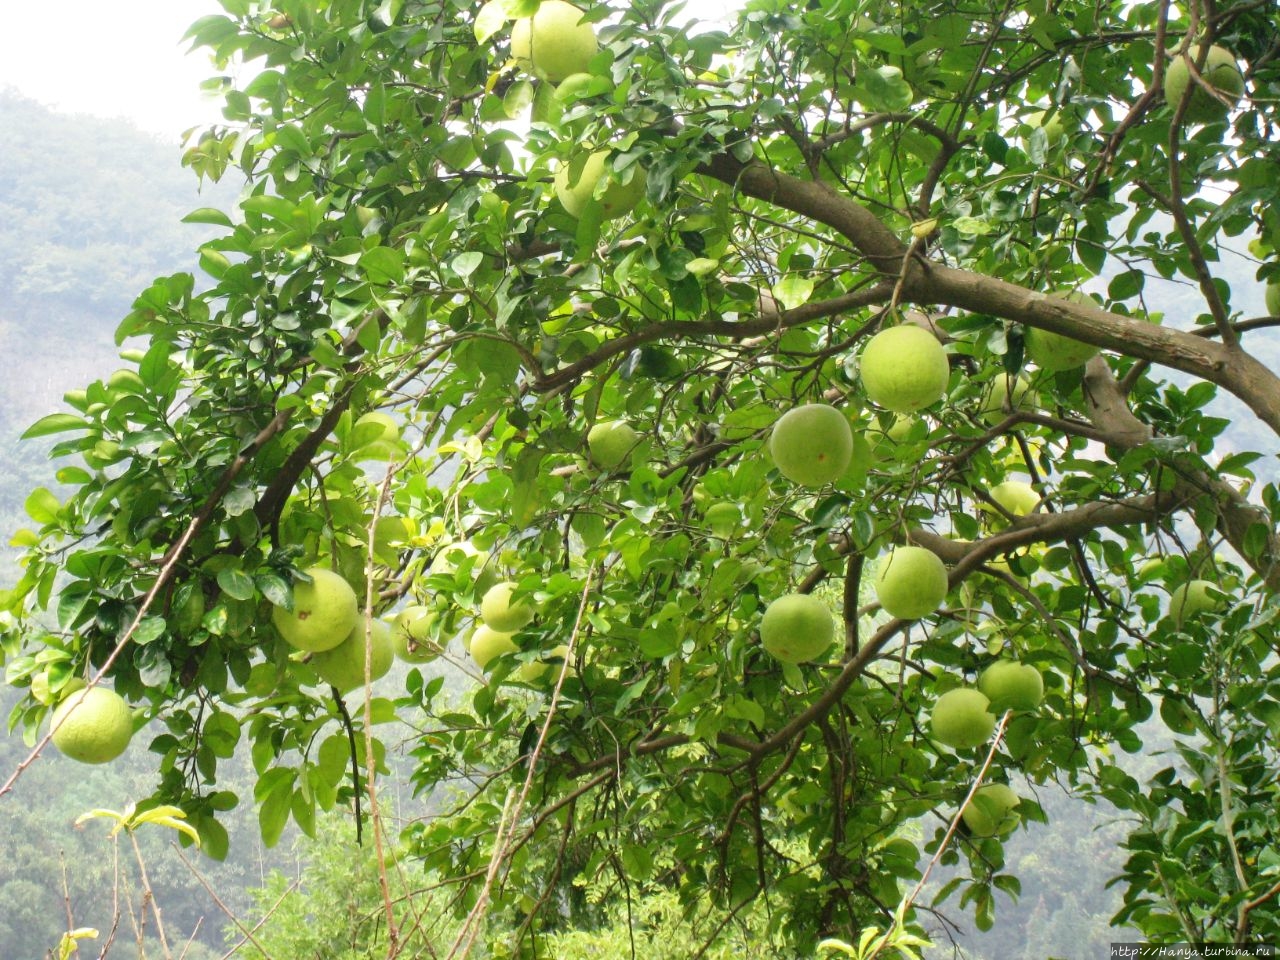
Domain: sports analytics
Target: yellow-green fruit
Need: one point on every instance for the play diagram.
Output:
(1191, 598)
(498, 612)
(92, 725)
(904, 369)
(1010, 685)
(575, 184)
(1005, 395)
(812, 444)
(324, 612)
(487, 644)
(1273, 298)
(610, 442)
(546, 667)
(1054, 352)
(961, 719)
(797, 627)
(411, 635)
(554, 43)
(991, 811)
(911, 582)
(1016, 496)
(1220, 71)
(387, 424)
(343, 666)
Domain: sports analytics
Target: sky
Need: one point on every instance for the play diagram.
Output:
(109, 58)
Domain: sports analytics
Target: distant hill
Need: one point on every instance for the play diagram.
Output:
(90, 213)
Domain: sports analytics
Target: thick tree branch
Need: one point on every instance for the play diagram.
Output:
(1236, 515)
(928, 284)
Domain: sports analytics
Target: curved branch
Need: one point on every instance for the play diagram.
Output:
(929, 283)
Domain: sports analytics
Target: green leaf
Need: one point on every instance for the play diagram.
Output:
(42, 506)
(236, 584)
(793, 291)
(55, 423)
(273, 815)
(208, 215)
(491, 18)
(383, 265)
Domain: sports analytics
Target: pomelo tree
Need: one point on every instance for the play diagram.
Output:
(813, 174)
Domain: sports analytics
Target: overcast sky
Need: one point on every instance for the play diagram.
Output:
(110, 58)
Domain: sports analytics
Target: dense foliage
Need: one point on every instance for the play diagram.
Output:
(810, 173)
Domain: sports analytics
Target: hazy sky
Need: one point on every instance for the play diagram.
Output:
(111, 58)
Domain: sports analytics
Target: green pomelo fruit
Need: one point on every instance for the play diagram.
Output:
(1016, 496)
(1006, 395)
(904, 369)
(93, 725)
(389, 428)
(1192, 598)
(1054, 352)
(1221, 72)
(1010, 685)
(911, 582)
(575, 184)
(546, 667)
(497, 611)
(812, 445)
(991, 811)
(610, 442)
(343, 666)
(554, 43)
(324, 612)
(411, 635)
(487, 644)
(797, 627)
(1273, 298)
(961, 719)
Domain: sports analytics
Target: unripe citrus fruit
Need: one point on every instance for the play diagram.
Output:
(812, 444)
(990, 811)
(1010, 685)
(324, 611)
(497, 611)
(904, 369)
(487, 644)
(797, 627)
(1054, 352)
(961, 718)
(1191, 598)
(1018, 497)
(1220, 71)
(554, 43)
(911, 582)
(575, 184)
(1273, 298)
(411, 635)
(610, 442)
(92, 725)
(1006, 395)
(343, 666)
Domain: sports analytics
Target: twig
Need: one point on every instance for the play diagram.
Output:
(248, 934)
(910, 898)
